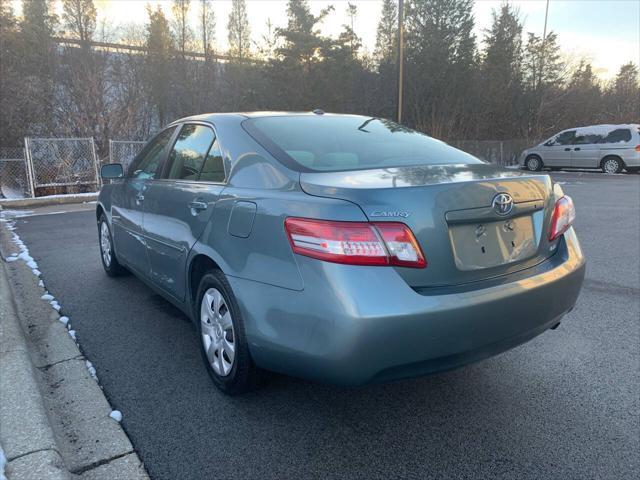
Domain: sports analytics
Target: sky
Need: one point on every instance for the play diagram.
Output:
(606, 32)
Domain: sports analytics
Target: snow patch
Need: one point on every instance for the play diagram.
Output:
(72, 334)
(116, 415)
(47, 296)
(92, 370)
(64, 320)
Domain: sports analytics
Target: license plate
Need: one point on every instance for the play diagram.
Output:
(490, 244)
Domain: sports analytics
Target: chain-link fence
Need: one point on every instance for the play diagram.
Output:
(14, 177)
(62, 162)
(124, 151)
(500, 152)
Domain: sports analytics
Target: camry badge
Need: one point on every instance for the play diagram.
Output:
(395, 213)
(502, 204)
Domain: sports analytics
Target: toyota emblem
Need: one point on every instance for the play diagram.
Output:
(502, 204)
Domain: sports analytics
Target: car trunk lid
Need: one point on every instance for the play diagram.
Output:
(451, 211)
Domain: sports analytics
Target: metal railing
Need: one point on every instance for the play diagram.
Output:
(124, 151)
(62, 162)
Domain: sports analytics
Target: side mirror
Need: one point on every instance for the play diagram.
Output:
(111, 170)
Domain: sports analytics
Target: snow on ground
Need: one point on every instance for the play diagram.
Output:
(8, 218)
(12, 192)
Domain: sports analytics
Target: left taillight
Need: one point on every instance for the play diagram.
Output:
(355, 243)
(564, 214)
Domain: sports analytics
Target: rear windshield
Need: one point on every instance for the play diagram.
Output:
(335, 143)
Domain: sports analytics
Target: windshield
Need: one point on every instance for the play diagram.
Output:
(334, 143)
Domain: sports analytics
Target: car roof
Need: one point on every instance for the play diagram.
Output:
(212, 117)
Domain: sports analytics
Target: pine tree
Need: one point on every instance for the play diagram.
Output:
(542, 62)
(387, 33)
(624, 96)
(239, 32)
(502, 73)
(158, 61)
(440, 49)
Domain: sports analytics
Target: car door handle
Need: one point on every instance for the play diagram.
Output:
(576, 149)
(567, 149)
(197, 205)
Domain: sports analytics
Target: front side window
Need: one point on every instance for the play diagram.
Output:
(619, 135)
(338, 143)
(147, 163)
(189, 152)
(564, 138)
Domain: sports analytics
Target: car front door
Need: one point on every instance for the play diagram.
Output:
(557, 151)
(586, 151)
(179, 206)
(127, 208)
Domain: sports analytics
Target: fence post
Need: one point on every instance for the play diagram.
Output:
(110, 149)
(501, 156)
(95, 164)
(30, 172)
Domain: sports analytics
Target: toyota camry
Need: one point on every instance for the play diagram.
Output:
(339, 248)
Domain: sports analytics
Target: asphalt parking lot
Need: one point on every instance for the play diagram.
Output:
(565, 405)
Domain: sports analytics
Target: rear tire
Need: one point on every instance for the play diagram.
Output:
(223, 341)
(533, 163)
(109, 261)
(612, 165)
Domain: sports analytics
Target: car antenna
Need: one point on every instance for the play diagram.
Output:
(318, 111)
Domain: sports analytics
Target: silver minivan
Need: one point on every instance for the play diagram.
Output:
(609, 147)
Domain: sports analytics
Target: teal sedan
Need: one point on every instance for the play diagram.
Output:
(339, 248)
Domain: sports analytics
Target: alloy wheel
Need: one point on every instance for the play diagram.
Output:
(218, 336)
(611, 166)
(532, 164)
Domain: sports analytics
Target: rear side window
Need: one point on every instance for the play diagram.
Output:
(189, 152)
(617, 136)
(213, 169)
(146, 164)
(587, 139)
(337, 143)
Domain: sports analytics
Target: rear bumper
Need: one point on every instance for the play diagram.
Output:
(354, 325)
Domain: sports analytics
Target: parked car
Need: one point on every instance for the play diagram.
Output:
(338, 248)
(609, 147)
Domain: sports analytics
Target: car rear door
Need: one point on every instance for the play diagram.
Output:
(179, 206)
(128, 204)
(586, 150)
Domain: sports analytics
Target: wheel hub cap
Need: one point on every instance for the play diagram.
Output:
(218, 336)
(105, 244)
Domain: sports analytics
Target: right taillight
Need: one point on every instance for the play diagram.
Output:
(563, 216)
(637, 148)
(355, 243)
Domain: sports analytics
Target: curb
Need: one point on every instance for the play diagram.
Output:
(49, 200)
(54, 417)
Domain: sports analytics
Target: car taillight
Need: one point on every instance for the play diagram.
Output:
(355, 243)
(637, 148)
(563, 216)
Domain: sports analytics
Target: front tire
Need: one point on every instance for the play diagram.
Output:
(533, 163)
(107, 255)
(223, 341)
(612, 165)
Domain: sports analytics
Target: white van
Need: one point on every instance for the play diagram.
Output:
(609, 147)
